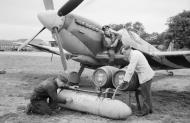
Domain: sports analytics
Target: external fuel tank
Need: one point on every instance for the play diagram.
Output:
(91, 103)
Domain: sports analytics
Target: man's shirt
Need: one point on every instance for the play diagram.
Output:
(46, 89)
(139, 64)
(111, 39)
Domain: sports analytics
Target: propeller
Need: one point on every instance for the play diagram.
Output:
(68, 7)
(29, 40)
(48, 4)
(53, 23)
(62, 54)
(64, 10)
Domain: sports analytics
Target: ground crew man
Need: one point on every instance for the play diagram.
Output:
(44, 97)
(139, 64)
(110, 41)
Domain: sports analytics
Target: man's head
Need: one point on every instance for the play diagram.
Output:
(126, 51)
(61, 81)
(106, 30)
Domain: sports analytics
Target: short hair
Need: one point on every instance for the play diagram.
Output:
(62, 78)
(104, 27)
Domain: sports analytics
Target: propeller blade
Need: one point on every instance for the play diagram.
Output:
(68, 7)
(29, 40)
(48, 4)
(62, 54)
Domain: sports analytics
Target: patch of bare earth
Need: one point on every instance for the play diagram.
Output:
(171, 95)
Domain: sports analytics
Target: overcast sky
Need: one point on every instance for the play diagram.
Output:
(18, 17)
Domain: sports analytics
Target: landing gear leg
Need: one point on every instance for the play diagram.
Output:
(74, 77)
(81, 70)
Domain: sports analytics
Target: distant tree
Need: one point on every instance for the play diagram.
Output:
(145, 36)
(151, 38)
(179, 29)
(163, 39)
(138, 28)
(128, 26)
(116, 27)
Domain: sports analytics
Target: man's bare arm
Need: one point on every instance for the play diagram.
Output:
(53, 94)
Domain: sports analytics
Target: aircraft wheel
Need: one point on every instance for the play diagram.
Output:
(74, 78)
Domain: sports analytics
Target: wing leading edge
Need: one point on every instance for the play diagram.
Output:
(170, 53)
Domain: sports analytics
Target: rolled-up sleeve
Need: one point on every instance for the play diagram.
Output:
(53, 94)
(131, 67)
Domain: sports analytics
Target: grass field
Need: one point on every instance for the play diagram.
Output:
(171, 95)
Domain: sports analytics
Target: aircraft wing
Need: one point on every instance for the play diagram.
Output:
(53, 50)
(170, 53)
(48, 49)
(45, 48)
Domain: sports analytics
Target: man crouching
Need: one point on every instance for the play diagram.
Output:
(44, 96)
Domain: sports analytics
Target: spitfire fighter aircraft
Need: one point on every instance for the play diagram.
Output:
(82, 38)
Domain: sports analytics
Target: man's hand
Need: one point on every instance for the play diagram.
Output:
(69, 100)
(121, 82)
(74, 87)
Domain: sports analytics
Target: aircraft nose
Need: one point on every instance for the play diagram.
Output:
(50, 19)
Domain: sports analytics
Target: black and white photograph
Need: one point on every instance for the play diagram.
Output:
(94, 61)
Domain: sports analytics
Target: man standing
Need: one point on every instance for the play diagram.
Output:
(44, 96)
(139, 64)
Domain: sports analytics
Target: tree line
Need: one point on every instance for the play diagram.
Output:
(178, 31)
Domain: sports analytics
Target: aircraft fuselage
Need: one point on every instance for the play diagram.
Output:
(81, 36)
